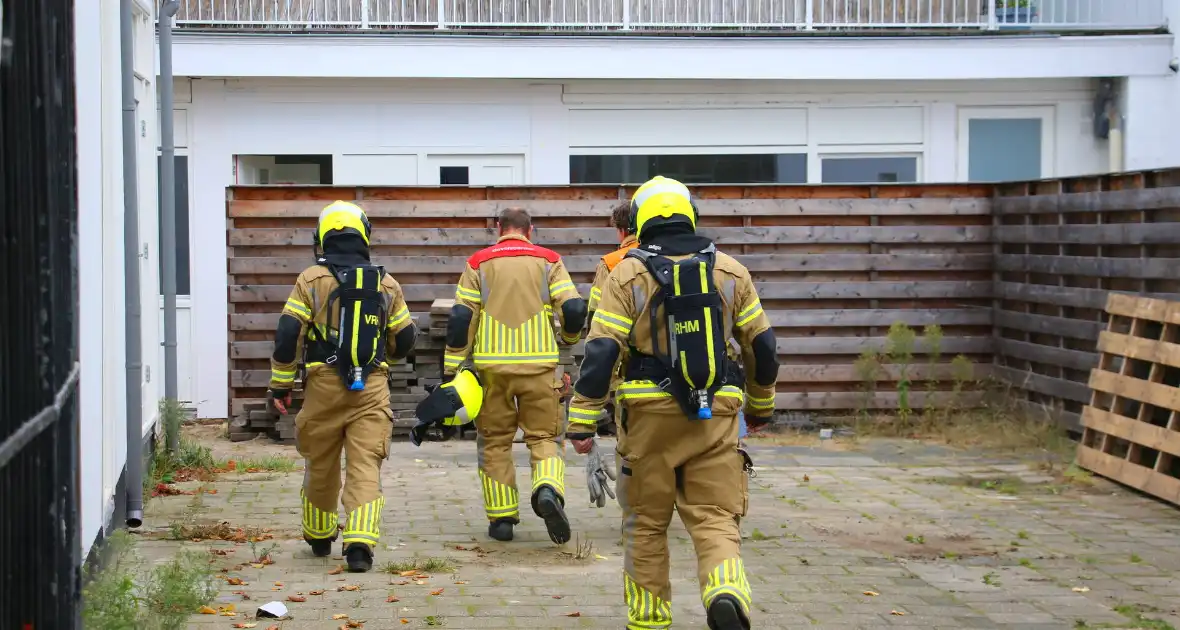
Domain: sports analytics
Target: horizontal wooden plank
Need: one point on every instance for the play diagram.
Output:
(1141, 433)
(1163, 309)
(850, 401)
(1129, 473)
(1104, 201)
(855, 345)
(1156, 394)
(883, 290)
(1041, 384)
(554, 237)
(757, 263)
(1061, 296)
(848, 373)
(1105, 234)
(602, 207)
(1150, 350)
(1048, 355)
(1090, 266)
(848, 317)
(1048, 325)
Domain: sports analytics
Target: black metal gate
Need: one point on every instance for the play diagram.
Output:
(39, 551)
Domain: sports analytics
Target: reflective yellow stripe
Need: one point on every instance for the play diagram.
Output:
(364, 523)
(729, 391)
(571, 339)
(399, 317)
(550, 472)
(639, 389)
(557, 287)
(728, 578)
(470, 295)
(282, 376)
(595, 293)
(499, 500)
(706, 321)
(317, 524)
(532, 342)
(611, 320)
(356, 320)
(761, 403)
(749, 313)
(298, 309)
(645, 611)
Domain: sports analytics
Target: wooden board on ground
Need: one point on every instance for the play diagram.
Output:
(1132, 425)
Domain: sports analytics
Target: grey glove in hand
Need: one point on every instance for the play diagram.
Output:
(596, 476)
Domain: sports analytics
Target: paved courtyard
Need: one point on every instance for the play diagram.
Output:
(884, 534)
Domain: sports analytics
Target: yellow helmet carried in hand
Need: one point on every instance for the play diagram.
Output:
(661, 201)
(452, 404)
(342, 217)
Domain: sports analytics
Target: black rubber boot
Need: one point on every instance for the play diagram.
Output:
(320, 547)
(725, 613)
(501, 529)
(359, 557)
(549, 506)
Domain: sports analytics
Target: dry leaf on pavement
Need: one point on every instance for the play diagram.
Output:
(574, 614)
(438, 592)
(404, 620)
(245, 625)
(391, 599)
(337, 571)
(897, 612)
(296, 598)
(205, 610)
(461, 582)
(407, 573)
(235, 581)
(872, 593)
(317, 592)
(356, 624)
(340, 616)
(1081, 589)
(348, 587)
(558, 596)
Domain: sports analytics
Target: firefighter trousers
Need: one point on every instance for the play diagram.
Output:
(334, 419)
(529, 402)
(668, 461)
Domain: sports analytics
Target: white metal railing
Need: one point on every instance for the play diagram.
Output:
(655, 15)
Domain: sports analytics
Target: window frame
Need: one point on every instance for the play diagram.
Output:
(701, 150)
(1046, 113)
(873, 151)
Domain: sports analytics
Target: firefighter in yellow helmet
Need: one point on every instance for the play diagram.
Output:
(344, 321)
(621, 219)
(503, 318)
(686, 323)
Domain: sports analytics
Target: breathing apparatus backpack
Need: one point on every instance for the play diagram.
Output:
(359, 347)
(694, 359)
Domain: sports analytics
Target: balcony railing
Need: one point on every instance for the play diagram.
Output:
(674, 15)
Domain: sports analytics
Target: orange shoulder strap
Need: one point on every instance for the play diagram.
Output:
(616, 257)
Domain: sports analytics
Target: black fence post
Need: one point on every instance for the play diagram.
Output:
(39, 529)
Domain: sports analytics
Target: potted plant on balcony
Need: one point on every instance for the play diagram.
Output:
(1011, 13)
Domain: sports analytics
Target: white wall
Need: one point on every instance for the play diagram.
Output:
(400, 127)
(1149, 104)
(102, 440)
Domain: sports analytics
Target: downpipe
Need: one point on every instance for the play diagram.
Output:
(168, 209)
(131, 297)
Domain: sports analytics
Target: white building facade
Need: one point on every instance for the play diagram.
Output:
(430, 92)
(102, 311)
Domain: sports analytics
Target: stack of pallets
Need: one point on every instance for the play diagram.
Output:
(1132, 425)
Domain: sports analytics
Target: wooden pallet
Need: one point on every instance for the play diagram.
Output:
(1132, 425)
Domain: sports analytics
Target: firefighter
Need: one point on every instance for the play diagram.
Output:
(621, 220)
(503, 317)
(344, 320)
(681, 396)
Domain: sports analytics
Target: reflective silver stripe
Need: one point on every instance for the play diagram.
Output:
(661, 188)
(638, 297)
(483, 288)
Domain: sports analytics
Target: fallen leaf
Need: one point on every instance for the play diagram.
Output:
(806, 478)
(559, 597)
(275, 588)
(461, 582)
(317, 592)
(221, 552)
(438, 592)
(404, 621)
(407, 573)
(296, 598)
(348, 587)
(245, 625)
(229, 614)
(402, 582)
(234, 581)
(337, 571)
(227, 608)
(391, 599)
(340, 616)
(205, 610)
(1081, 589)
(273, 628)
(257, 565)
(598, 557)
(872, 593)
(897, 612)
(356, 624)
(420, 582)
(574, 614)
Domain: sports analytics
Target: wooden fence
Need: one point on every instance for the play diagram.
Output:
(834, 266)
(1061, 246)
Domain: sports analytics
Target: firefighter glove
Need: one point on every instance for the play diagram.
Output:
(596, 477)
(279, 400)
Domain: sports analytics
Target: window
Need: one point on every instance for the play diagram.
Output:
(768, 168)
(278, 170)
(1003, 149)
(454, 176)
(869, 169)
(182, 250)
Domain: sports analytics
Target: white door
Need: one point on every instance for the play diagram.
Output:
(473, 170)
(1006, 143)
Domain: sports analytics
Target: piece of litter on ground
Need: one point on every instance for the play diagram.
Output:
(598, 557)
(340, 616)
(272, 610)
(872, 593)
(897, 612)
(1081, 589)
